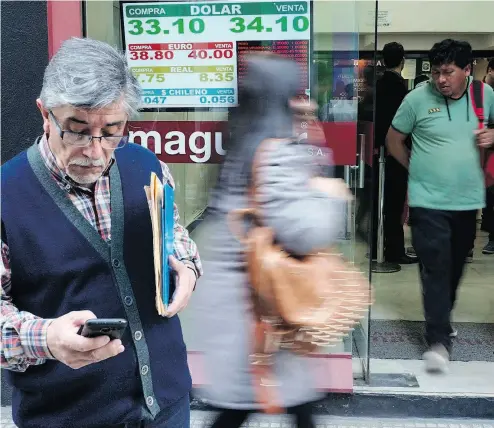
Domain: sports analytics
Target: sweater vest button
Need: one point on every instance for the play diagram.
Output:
(116, 263)
(150, 401)
(138, 335)
(144, 370)
(128, 300)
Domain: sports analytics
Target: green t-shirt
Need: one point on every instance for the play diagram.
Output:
(445, 171)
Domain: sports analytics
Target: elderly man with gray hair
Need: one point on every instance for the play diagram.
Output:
(77, 244)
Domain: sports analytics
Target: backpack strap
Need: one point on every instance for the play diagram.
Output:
(477, 96)
(487, 156)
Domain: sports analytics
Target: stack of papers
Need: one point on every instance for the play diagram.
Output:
(160, 200)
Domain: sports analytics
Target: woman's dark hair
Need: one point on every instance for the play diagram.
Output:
(451, 51)
(269, 83)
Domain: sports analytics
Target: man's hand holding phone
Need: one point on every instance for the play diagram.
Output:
(74, 350)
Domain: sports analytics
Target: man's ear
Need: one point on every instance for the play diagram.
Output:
(468, 70)
(45, 115)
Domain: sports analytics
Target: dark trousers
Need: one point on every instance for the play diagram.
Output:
(442, 240)
(488, 213)
(395, 191)
(230, 418)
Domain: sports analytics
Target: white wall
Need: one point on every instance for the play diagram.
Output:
(432, 16)
(416, 24)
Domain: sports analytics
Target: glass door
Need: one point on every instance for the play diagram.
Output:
(364, 174)
(345, 95)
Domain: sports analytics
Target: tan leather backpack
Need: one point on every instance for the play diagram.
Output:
(299, 304)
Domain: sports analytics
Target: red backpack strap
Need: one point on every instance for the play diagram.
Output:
(487, 156)
(477, 96)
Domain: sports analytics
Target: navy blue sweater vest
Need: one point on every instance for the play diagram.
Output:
(60, 264)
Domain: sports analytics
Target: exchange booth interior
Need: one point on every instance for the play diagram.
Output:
(188, 57)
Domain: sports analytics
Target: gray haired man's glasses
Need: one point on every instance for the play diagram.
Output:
(77, 139)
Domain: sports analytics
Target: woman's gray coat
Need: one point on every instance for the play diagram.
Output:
(303, 219)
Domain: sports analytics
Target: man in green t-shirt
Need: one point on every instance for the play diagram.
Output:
(446, 183)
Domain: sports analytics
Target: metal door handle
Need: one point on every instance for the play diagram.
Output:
(361, 161)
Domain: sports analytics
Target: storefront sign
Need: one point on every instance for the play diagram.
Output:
(189, 54)
(181, 142)
(204, 142)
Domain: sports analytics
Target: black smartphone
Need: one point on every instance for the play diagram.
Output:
(112, 327)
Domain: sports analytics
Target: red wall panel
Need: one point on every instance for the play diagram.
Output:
(64, 22)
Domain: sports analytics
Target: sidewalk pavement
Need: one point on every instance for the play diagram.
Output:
(203, 419)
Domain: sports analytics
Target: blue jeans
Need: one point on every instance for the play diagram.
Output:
(175, 416)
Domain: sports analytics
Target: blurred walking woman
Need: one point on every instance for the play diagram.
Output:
(303, 217)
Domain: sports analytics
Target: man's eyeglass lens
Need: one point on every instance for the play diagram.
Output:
(82, 140)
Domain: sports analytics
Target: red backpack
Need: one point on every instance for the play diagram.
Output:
(487, 155)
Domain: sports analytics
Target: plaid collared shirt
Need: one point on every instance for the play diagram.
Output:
(23, 335)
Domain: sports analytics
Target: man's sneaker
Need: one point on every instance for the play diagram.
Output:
(489, 248)
(410, 252)
(454, 333)
(436, 359)
(469, 258)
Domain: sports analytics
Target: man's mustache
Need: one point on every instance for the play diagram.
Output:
(87, 162)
